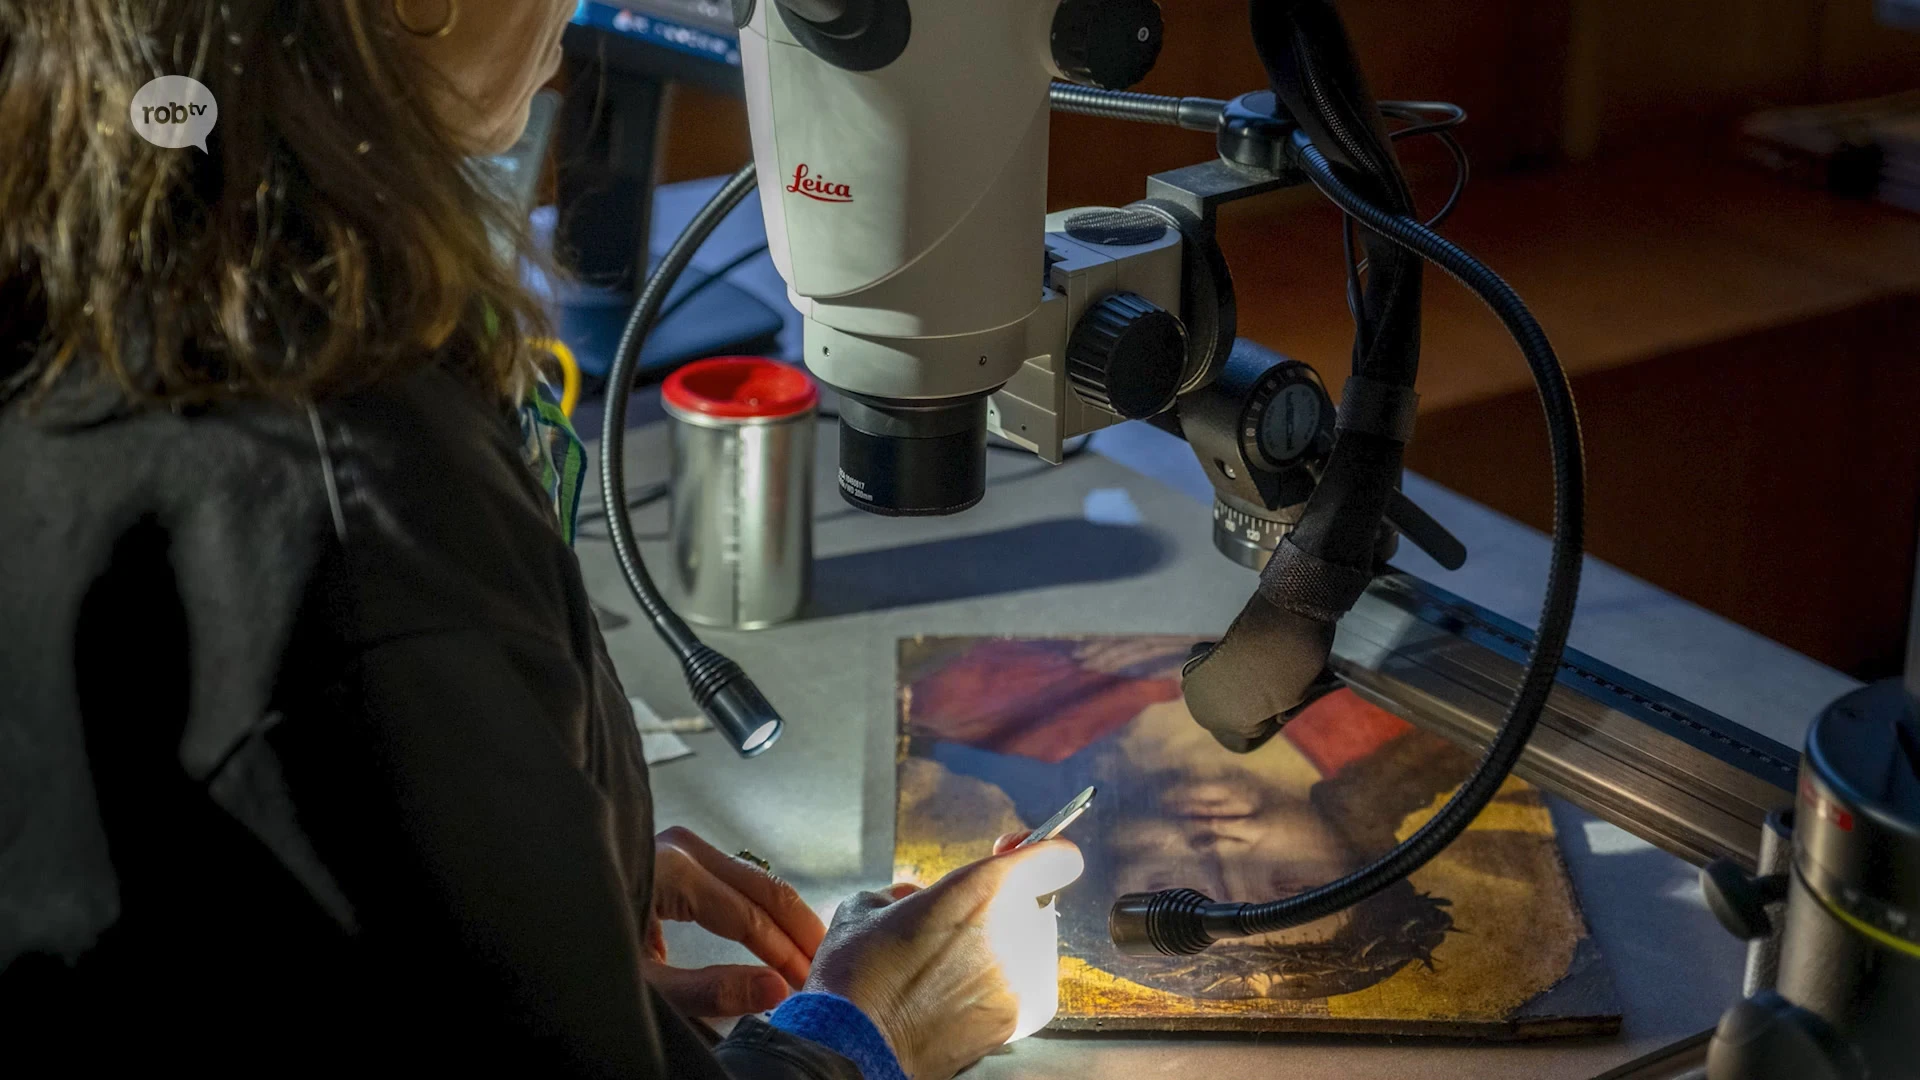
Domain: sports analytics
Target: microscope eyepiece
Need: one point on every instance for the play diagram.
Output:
(819, 12)
(920, 458)
(854, 35)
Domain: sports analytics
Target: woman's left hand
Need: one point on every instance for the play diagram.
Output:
(694, 882)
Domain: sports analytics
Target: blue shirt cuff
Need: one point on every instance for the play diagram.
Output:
(840, 1026)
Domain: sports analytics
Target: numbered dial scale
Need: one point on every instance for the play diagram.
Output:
(1249, 538)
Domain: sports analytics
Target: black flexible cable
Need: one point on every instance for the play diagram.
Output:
(1192, 113)
(613, 425)
(1411, 111)
(658, 373)
(719, 687)
(1316, 79)
(1556, 616)
(710, 280)
(1462, 165)
(1416, 112)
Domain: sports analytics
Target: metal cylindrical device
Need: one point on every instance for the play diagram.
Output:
(1850, 949)
(742, 491)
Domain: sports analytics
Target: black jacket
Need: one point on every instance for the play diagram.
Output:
(311, 757)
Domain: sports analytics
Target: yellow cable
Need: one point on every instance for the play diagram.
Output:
(569, 371)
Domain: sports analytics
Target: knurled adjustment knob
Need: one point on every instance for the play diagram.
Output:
(1106, 43)
(1127, 356)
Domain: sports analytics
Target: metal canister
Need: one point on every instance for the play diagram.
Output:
(741, 503)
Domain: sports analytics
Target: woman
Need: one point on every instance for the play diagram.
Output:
(310, 753)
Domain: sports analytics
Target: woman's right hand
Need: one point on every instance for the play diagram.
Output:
(951, 972)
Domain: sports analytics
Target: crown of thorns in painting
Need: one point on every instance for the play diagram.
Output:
(1487, 939)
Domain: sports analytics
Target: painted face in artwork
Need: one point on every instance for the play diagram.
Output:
(1000, 731)
(1234, 827)
(1246, 827)
(1178, 810)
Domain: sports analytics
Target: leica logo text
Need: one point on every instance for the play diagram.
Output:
(818, 187)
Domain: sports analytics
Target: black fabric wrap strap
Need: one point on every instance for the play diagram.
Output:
(1378, 408)
(1310, 586)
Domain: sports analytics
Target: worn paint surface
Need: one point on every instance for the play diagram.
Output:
(996, 733)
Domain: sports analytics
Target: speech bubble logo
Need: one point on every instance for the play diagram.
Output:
(175, 112)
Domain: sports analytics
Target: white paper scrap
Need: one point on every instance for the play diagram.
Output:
(658, 744)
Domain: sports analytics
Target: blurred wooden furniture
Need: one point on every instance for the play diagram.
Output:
(1746, 358)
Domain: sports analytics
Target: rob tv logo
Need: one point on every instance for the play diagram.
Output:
(174, 112)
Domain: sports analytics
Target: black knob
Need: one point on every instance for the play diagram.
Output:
(1739, 900)
(1768, 1036)
(1127, 356)
(1108, 43)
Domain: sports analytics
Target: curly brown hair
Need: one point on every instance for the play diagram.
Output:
(334, 235)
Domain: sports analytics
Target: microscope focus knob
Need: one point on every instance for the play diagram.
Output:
(1127, 356)
(1106, 43)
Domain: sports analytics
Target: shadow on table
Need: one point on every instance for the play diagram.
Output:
(1069, 551)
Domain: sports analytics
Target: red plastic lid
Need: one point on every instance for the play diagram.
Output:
(740, 388)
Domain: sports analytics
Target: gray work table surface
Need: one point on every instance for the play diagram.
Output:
(1119, 541)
